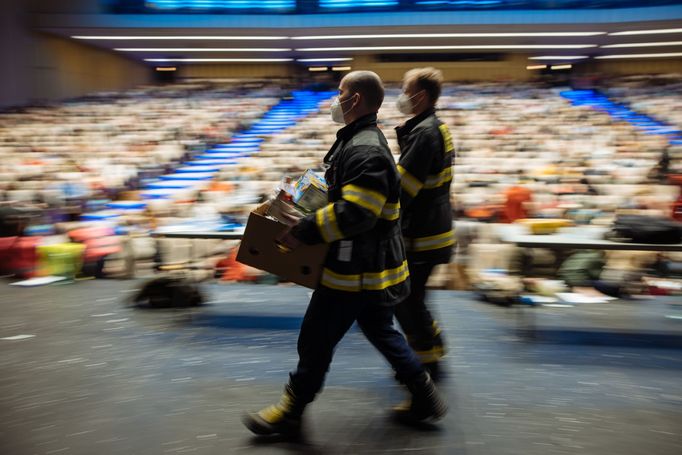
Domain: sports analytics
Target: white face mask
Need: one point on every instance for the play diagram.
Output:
(405, 104)
(338, 112)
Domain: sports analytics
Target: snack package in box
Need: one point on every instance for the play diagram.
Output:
(283, 209)
(310, 192)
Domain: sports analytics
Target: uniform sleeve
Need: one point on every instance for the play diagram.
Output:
(415, 161)
(364, 190)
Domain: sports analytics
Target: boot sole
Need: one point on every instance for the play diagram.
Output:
(405, 416)
(257, 425)
(427, 423)
(260, 427)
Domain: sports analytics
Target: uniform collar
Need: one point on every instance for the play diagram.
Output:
(414, 121)
(349, 130)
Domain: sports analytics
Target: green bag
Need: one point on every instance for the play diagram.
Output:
(582, 267)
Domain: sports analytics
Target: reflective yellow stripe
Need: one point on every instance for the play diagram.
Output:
(432, 355)
(325, 218)
(386, 278)
(434, 181)
(369, 199)
(432, 242)
(409, 182)
(340, 282)
(436, 329)
(390, 211)
(275, 412)
(375, 281)
(447, 139)
(271, 414)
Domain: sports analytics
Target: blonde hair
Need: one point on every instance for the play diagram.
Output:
(429, 79)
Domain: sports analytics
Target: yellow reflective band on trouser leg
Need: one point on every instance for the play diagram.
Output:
(340, 282)
(432, 242)
(431, 355)
(378, 281)
(436, 329)
(366, 198)
(409, 182)
(325, 218)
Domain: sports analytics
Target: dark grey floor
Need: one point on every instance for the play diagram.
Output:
(97, 377)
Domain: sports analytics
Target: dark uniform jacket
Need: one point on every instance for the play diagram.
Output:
(366, 257)
(425, 166)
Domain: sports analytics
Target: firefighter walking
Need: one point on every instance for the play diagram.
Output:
(425, 166)
(365, 272)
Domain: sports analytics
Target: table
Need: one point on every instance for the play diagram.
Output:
(197, 232)
(574, 238)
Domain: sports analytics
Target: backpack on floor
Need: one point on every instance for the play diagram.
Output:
(168, 292)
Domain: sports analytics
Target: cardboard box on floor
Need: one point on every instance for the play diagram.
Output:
(302, 266)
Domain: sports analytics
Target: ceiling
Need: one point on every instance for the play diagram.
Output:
(298, 43)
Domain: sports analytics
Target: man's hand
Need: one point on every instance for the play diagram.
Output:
(286, 242)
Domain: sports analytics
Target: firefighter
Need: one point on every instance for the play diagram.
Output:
(365, 272)
(425, 166)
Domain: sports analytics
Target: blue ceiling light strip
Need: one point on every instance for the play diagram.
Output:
(221, 4)
(459, 3)
(283, 115)
(642, 122)
(345, 4)
(331, 6)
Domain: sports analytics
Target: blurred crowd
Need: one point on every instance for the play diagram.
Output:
(659, 96)
(522, 151)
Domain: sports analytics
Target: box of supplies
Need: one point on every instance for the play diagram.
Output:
(302, 266)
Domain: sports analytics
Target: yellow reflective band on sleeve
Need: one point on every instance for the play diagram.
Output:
(386, 278)
(447, 139)
(369, 199)
(390, 212)
(434, 181)
(332, 280)
(325, 218)
(432, 242)
(409, 182)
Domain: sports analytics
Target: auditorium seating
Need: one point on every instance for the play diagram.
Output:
(504, 134)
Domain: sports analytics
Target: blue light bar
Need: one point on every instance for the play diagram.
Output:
(220, 156)
(221, 4)
(127, 205)
(170, 185)
(196, 169)
(331, 4)
(198, 176)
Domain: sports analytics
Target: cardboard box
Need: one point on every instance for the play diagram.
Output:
(302, 266)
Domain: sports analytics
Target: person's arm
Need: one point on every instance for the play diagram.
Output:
(415, 161)
(364, 190)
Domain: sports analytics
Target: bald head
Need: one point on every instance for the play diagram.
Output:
(368, 84)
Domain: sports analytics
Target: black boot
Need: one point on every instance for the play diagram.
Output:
(431, 354)
(435, 371)
(425, 405)
(283, 418)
